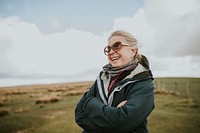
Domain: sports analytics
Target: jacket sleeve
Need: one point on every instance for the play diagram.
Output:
(128, 117)
(81, 117)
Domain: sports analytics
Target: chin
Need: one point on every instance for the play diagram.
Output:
(116, 65)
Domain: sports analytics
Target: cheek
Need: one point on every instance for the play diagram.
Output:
(109, 60)
(127, 56)
(131, 53)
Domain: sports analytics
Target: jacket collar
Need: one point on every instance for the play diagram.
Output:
(137, 76)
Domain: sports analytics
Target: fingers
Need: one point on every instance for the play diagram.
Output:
(121, 104)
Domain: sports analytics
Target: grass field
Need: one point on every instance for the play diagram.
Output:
(50, 108)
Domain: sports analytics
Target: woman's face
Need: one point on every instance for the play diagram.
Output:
(121, 57)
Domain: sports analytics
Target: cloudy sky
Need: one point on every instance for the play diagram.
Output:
(52, 41)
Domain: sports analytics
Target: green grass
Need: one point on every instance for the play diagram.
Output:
(52, 118)
(180, 85)
(172, 113)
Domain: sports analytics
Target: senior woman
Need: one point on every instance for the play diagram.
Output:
(122, 97)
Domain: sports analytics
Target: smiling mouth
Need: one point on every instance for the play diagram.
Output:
(115, 58)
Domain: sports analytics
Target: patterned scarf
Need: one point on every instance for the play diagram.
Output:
(109, 72)
(112, 71)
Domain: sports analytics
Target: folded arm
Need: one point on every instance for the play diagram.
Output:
(81, 117)
(140, 103)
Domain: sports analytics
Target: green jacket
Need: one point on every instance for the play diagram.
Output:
(97, 112)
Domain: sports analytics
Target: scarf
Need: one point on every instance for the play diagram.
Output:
(110, 72)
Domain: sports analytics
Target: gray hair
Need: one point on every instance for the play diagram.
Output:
(129, 38)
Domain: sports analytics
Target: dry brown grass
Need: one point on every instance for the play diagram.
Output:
(34, 95)
(4, 101)
(41, 94)
(25, 131)
(47, 99)
(21, 110)
(173, 114)
(166, 92)
(55, 114)
(62, 87)
(58, 89)
(17, 91)
(74, 92)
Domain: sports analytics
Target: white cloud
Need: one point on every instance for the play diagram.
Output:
(55, 24)
(176, 24)
(58, 54)
(138, 26)
(175, 66)
(169, 33)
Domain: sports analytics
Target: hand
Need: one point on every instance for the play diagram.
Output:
(121, 104)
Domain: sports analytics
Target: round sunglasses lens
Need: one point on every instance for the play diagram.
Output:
(116, 46)
(107, 50)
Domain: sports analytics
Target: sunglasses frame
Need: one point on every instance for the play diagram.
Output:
(106, 52)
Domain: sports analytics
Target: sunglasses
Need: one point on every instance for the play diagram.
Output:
(115, 47)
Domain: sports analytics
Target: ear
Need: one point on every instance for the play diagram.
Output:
(135, 50)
